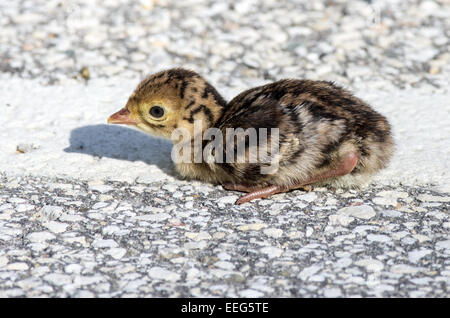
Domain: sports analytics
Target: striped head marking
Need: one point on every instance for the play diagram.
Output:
(171, 99)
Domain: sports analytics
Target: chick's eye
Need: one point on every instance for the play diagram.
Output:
(157, 111)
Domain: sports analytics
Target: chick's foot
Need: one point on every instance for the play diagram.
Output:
(262, 193)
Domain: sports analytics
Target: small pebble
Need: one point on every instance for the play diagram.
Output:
(38, 237)
(163, 274)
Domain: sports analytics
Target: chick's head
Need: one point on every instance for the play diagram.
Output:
(171, 99)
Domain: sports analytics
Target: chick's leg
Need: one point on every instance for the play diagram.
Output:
(346, 166)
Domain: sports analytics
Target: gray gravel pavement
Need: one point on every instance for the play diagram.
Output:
(70, 238)
(376, 44)
(98, 238)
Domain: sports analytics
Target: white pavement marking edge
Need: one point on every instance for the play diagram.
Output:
(65, 130)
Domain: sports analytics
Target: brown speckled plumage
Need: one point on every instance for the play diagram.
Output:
(322, 128)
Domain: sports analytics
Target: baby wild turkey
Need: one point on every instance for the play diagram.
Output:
(325, 135)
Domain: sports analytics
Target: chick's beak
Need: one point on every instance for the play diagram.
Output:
(123, 116)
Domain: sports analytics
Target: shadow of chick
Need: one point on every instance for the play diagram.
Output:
(121, 143)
